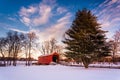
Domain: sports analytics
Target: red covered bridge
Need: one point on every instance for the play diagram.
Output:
(47, 59)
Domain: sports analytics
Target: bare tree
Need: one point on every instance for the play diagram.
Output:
(115, 44)
(14, 41)
(45, 48)
(25, 50)
(50, 46)
(14, 44)
(53, 45)
(2, 49)
(24, 46)
(59, 49)
(9, 47)
(31, 37)
(17, 45)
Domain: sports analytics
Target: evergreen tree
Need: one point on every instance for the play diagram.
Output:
(85, 40)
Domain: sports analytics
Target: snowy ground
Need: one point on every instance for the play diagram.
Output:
(57, 72)
(107, 65)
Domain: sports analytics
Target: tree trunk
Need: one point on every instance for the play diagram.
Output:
(29, 53)
(86, 61)
(85, 64)
(26, 60)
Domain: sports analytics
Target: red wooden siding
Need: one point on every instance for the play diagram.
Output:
(47, 59)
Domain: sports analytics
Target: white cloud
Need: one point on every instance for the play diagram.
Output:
(4, 25)
(108, 14)
(26, 21)
(112, 2)
(9, 27)
(12, 19)
(61, 10)
(65, 18)
(27, 11)
(17, 30)
(56, 30)
(36, 15)
(44, 14)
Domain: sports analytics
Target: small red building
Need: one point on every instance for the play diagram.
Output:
(47, 59)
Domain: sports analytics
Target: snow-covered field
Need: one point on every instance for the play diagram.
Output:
(57, 72)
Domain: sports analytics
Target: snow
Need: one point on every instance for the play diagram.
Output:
(117, 65)
(57, 72)
(98, 64)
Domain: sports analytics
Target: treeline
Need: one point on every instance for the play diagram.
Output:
(20, 46)
(18, 59)
(14, 45)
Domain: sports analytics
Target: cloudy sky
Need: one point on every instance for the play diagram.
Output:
(51, 18)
